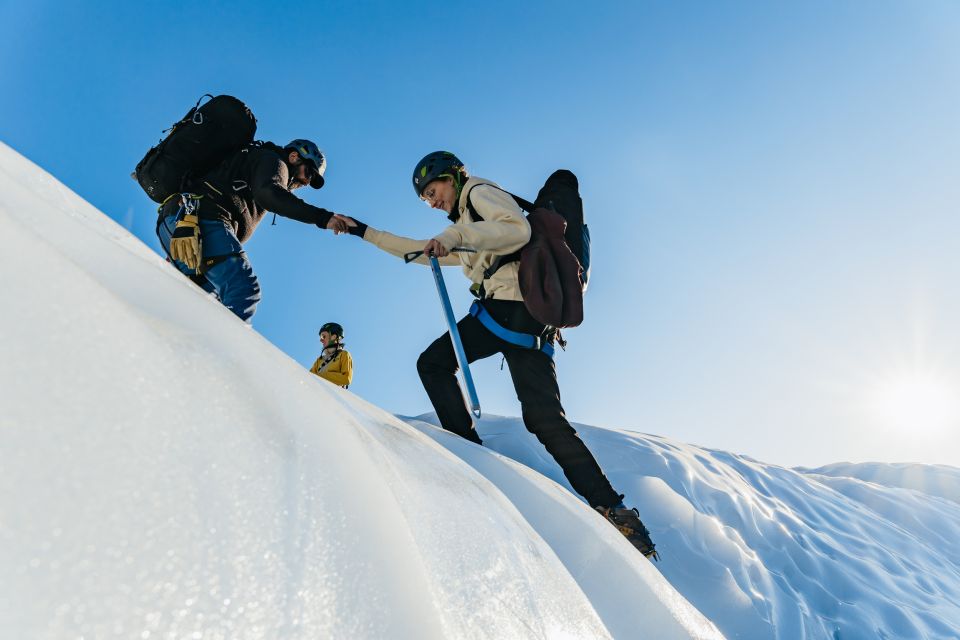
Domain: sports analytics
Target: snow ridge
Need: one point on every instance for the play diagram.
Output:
(178, 476)
(770, 552)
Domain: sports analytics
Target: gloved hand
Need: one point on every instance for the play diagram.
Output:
(357, 228)
(334, 223)
(185, 242)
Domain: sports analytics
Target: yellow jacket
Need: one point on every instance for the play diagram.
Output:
(504, 229)
(338, 369)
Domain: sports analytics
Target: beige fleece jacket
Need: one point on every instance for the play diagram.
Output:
(504, 229)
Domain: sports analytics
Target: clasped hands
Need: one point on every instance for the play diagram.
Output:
(340, 224)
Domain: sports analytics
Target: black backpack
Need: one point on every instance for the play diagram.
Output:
(196, 144)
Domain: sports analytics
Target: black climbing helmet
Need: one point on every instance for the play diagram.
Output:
(436, 165)
(311, 153)
(333, 329)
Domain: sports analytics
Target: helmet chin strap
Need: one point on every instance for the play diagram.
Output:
(453, 215)
(294, 168)
(292, 180)
(457, 178)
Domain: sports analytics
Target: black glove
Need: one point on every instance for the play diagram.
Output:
(358, 230)
(336, 224)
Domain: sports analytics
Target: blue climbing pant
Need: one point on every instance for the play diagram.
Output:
(230, 278)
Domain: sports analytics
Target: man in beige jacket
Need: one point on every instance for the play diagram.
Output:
(487, 220)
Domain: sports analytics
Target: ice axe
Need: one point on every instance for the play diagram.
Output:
(451, 325)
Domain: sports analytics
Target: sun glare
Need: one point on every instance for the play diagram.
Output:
(916, 400)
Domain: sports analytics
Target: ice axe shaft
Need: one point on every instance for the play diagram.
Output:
(454, 332)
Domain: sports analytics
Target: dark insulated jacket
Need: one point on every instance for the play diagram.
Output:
(245, 186)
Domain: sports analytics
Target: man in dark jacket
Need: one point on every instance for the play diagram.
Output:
(203, 232)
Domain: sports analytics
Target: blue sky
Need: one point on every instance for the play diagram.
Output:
(771, 190)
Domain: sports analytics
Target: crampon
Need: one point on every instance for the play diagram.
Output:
(627, 522)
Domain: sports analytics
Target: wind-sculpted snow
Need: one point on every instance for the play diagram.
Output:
(933, 479)
(168, 473)
(770, 552)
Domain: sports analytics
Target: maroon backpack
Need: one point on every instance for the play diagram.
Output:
(554, 264)
(551, 277)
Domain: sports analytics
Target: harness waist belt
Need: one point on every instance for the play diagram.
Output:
(516, 338)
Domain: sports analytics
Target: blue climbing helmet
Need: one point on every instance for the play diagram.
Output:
(310, 152)
(437, 165)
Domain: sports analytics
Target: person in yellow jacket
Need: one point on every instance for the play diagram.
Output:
(334, 363)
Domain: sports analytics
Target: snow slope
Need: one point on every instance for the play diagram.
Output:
(770, 552)
(171, 474)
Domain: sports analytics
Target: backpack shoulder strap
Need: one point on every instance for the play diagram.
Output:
(499, 261)
(526, 205)
(473, 211)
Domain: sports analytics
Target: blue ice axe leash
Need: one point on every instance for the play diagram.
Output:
(452, 326)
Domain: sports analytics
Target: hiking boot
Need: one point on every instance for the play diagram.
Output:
(627, 522)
